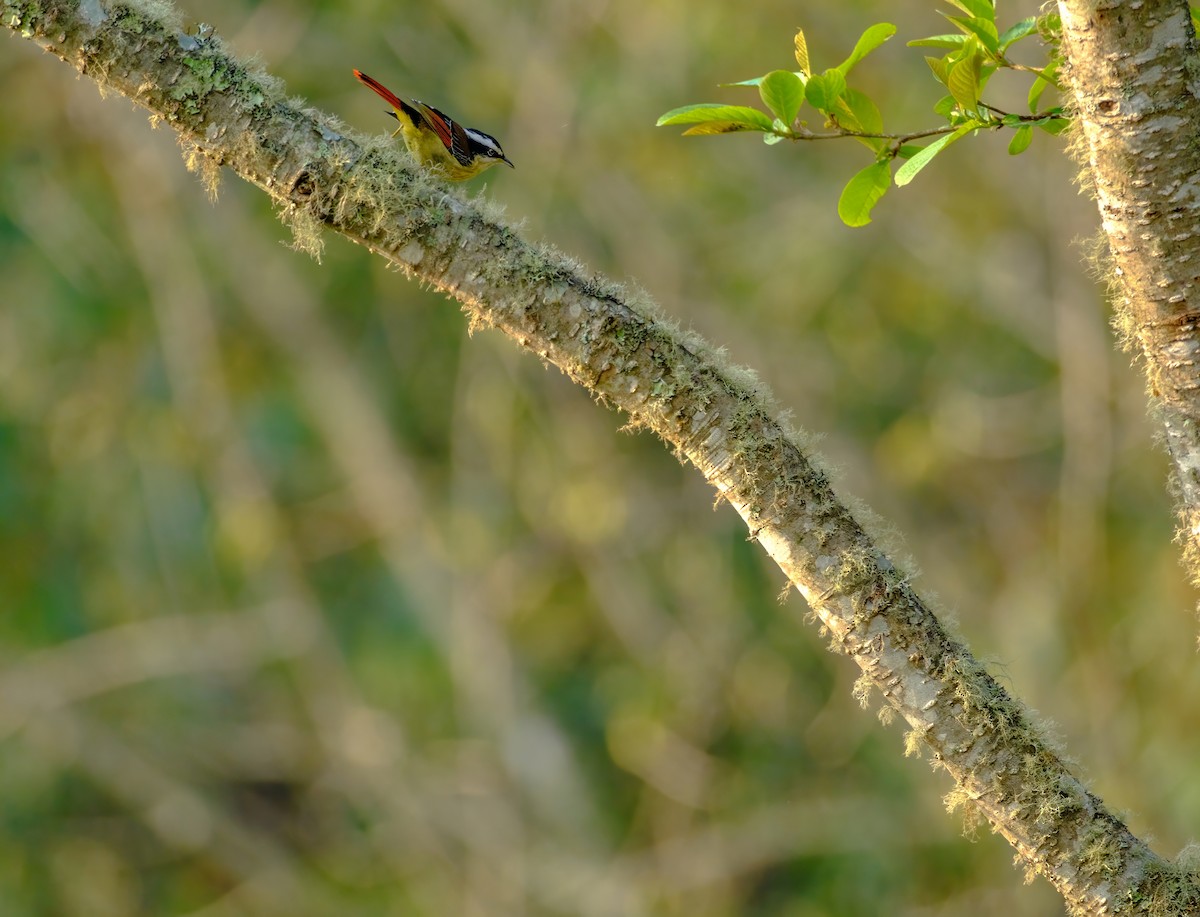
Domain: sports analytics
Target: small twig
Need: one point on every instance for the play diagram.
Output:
(805, 134)
(1036, 116)
(898, 140)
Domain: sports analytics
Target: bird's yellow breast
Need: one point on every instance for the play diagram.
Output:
(427, 148)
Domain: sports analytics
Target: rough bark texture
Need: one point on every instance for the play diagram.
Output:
(712, 414)
(1135, 76)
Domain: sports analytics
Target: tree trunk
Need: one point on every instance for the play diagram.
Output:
(1133, 70)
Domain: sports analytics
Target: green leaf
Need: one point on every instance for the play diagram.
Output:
(983, 29)
(1045, 79)
(871, 39)
(1015, 33)
(757, 81)
(939, 41)
(863, 192)
(1049, 73)
(984, 9)
(783, 93)
(909, 170)
(754, 119)
(1054, 126)
(1021, 140)
(1035, 93)
(945, 106)
(940, 68)
(717, 127)
(963, 79)
(802, 53)
(985, 73)
(771, 139)
(855, 111)
(822, 92)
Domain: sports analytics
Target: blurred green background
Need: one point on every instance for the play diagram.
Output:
(312, 604)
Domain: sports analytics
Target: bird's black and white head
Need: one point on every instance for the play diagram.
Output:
(486, 147)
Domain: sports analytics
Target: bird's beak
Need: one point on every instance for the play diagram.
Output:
(504, 159)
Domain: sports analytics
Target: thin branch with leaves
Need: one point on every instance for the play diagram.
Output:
(974, 54)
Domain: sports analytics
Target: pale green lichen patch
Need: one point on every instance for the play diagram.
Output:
(1102, 855)
(1168, 888)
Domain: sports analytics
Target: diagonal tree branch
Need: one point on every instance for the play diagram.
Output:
(618, 347)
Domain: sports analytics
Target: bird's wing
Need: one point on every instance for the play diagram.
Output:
(451, 133)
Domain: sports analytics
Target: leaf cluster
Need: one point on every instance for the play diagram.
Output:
(972, 55)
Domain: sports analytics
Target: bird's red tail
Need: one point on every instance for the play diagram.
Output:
(379, 89)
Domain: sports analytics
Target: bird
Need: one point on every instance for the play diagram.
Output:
(438, 142)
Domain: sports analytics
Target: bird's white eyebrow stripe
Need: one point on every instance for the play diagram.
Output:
(483, 139)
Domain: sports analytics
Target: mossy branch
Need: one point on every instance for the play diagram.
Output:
(1132, 68)
(616, 344)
